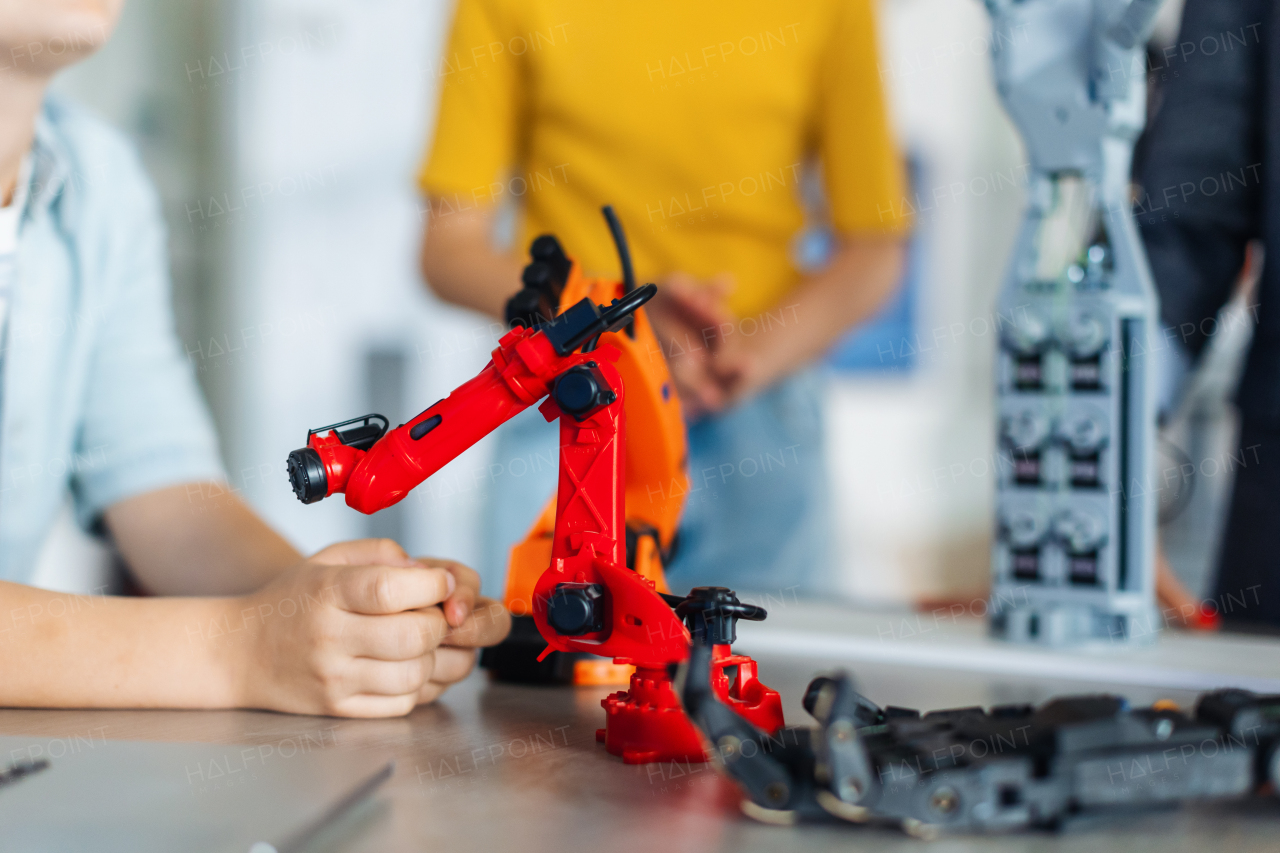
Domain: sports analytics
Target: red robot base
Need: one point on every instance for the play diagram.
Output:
(587, 600)
(647, 723)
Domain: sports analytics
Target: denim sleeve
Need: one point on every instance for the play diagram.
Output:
(143, 419)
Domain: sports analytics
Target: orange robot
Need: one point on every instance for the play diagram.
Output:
(656, 482)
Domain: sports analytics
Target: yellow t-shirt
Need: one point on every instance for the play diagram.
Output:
(694, 120)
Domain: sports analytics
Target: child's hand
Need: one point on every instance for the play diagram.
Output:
(355, 631)
(458, 606)
(474, 621)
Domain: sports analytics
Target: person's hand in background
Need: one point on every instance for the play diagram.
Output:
(690, 320)
(860, 276)
(742, 366)
(357, 631)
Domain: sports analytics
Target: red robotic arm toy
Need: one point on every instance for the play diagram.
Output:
(583, 390)
(587, 600)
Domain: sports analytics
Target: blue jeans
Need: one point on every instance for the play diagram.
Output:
(757, 516)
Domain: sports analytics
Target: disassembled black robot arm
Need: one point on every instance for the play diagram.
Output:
(972, 770)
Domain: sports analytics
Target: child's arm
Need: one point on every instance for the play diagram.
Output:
(352, 631)
(461, 264)
(201, 539)
(197, 539)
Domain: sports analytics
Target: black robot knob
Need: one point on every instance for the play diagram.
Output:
(527, 308)
(547, 250)
(542, 281)
(712, 612)
(582, 389)
(307, 476)
(575, 609)
(538, 276)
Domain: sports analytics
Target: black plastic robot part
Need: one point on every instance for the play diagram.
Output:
(575, 609)
(581, 390)
(976, 770)
(585, 320)
(711, 614)
(515, 659)
(306, 475)
(544, 277)
(542, 280)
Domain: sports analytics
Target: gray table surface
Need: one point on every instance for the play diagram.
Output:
(498, 767)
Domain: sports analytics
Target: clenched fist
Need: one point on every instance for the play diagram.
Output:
(361, 630)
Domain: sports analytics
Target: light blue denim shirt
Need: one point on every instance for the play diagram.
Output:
(98, 397)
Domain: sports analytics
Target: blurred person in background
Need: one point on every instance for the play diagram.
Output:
(1210, 190)
(99, 401)
(697, 123)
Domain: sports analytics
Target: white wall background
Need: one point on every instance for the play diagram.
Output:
(912, 457)
(331, 126)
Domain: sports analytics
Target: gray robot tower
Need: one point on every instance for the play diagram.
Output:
(1074, 552)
